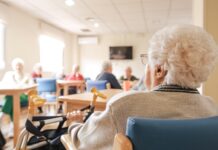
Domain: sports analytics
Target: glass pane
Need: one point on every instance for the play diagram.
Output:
(51, 53)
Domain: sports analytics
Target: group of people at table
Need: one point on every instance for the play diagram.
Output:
(17, 77)
(179, 59)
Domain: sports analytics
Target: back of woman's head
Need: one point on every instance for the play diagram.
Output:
(187, 52)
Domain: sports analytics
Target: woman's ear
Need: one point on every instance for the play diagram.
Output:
(159, 73)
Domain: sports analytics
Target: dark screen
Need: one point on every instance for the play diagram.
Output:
(121, 52)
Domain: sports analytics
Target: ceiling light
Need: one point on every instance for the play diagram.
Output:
(96, 25)
(90, 19)
(85, 30)
(69, 2)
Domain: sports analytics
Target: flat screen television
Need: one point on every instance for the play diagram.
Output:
(120, 52)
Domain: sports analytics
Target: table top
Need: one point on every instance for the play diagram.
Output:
(88, 96)
(63, 82)
(5, 87)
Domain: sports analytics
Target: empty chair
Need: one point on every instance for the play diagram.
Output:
(99, 85)
(156, 134)
(47, 88)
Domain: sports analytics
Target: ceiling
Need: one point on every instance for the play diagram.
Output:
(113, 16)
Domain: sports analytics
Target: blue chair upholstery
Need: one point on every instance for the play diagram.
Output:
(159, 134)
(47, 88)
(99, 85)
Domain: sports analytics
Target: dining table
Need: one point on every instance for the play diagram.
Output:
(15, 91)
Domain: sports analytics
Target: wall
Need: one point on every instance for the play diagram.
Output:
(92, 56)
(22, 32)
(211, 24)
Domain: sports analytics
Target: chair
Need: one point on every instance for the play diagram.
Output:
(98, 84)
(35, 102)
(47, 89)
(156, 134)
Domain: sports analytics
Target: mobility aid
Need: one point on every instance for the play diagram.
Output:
(37, 136)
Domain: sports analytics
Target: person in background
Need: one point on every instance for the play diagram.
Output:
(17, 77)
(180, 58)
(59, 75)
(140, 85)
(128, 75)
(106, 74)
(37, 71)
(75, 75)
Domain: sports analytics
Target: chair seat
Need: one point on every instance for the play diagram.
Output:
(49, 97)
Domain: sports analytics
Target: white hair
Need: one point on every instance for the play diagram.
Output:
(187, 52)
(75, 68)
(16, 61)
(106, 65)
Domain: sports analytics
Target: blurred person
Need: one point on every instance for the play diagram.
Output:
(60, 75)
(75, 74)
(106, 74)
(16, 77)
(128, 75)
(37, 71)
(140, 85)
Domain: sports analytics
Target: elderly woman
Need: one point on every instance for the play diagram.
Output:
(15, 78)
(180, 58)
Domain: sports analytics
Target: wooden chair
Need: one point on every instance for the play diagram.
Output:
(35, 102)
(121, 142)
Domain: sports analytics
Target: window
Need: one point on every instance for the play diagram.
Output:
(2, 46)
(51, 53)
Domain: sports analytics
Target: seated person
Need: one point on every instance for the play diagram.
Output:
(37, 71)
(75, 75)
(128, 75)
(140, 85)
(17, 78)
(59, 75)
(180, 58)
(106, 74)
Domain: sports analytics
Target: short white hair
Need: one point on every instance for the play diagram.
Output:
(187, 52)
(106, 65)
(16, 61)
(75, 68)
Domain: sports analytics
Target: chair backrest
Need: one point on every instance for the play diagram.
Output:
(189, 134)
(98, 84)
(46, 85)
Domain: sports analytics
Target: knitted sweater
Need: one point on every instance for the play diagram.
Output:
(99, 130)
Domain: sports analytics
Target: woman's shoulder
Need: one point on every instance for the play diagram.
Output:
(126, 96)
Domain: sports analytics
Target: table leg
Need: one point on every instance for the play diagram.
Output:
(65, 107)
(65, 90)
(16, 116)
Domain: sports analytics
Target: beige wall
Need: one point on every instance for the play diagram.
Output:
(211, 25)
(22, 32)
(92, 56)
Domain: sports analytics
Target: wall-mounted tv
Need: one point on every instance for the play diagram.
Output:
(120, 52)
